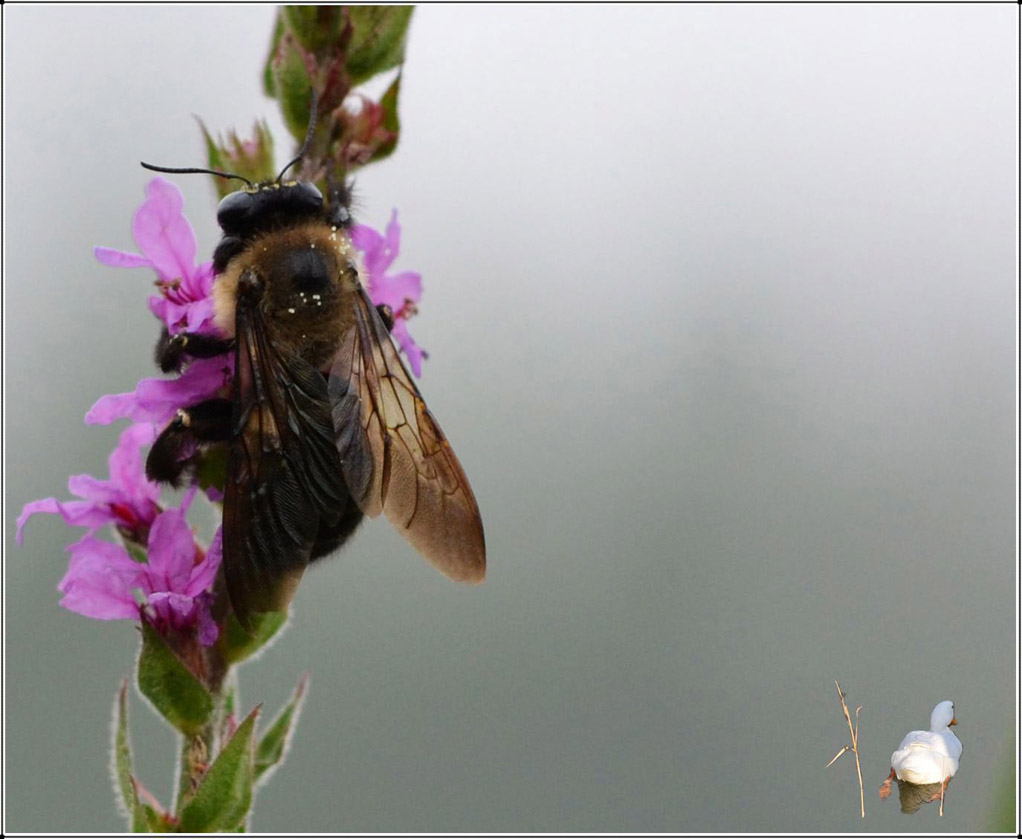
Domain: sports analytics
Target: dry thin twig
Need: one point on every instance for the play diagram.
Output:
(853, 730)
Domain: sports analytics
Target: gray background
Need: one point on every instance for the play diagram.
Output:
(720, 304)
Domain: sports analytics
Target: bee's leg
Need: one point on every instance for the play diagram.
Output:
(331, 537)
(386, 315)
(174, 449)
(339, 202)
(171, 349)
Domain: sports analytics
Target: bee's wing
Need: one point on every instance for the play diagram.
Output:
(284, 474)
(394, 456)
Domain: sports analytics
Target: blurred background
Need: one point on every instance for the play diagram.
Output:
(720, 304)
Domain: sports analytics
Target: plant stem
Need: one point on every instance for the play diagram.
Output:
(853, 731)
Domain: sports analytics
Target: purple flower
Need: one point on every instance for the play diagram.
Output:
(156, 400)
(171, 588)
(128, 500)
(399, 291)
(167, 242)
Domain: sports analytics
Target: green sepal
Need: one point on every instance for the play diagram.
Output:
(173, 689)
(390, 123)
(235, 644)
(155, 821)
(227, 711)
(276, 740)
(148, 816)
(317, 28)
(292, 83)
(377, 40)
(124, 788)
(229, 703)
(211, 466)
(137, 552)
(251, 159)
(224, 794)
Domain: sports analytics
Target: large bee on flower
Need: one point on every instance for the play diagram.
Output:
(324, 424)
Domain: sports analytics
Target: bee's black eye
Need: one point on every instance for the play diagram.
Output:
(229, 247)
(233, 209)
(306, 196)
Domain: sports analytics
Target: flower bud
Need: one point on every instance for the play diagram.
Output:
(252, 159)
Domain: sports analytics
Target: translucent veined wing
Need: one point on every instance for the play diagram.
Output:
(395, 458)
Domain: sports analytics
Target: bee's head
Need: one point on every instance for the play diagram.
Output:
(266, 206)
(271, 205)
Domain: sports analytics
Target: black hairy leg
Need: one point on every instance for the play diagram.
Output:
(172, 349)
(339, 201)
(173, 451)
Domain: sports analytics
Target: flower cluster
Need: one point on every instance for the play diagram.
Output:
(399, 291)
(171, 588)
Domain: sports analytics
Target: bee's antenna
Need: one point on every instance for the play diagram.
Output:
(195, 172)
(313, 103)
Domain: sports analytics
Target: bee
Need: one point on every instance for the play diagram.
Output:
(324, 424)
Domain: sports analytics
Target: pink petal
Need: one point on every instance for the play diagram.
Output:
(199, 285)
(93, 489)
(43, 505)
(394, 290)
(121, 259)
(171, 551)
(199, 315)
(208, 630)
(371, 243)
(99, 581)
(156, 400)
(111, 408)
(172, 609)
(204, 573)
(162, 232)
(127, 467)
(75, 513)
(393, 235)
(170, 312)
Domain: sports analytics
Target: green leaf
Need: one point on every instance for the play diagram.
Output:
(276, 740)
(121, 754)
(236, 644)
(292, 84)
(224, 795)
(172, 688)
(377, 39)
(317, 28)
(390, 123)
(278, 31)
(214, 155)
